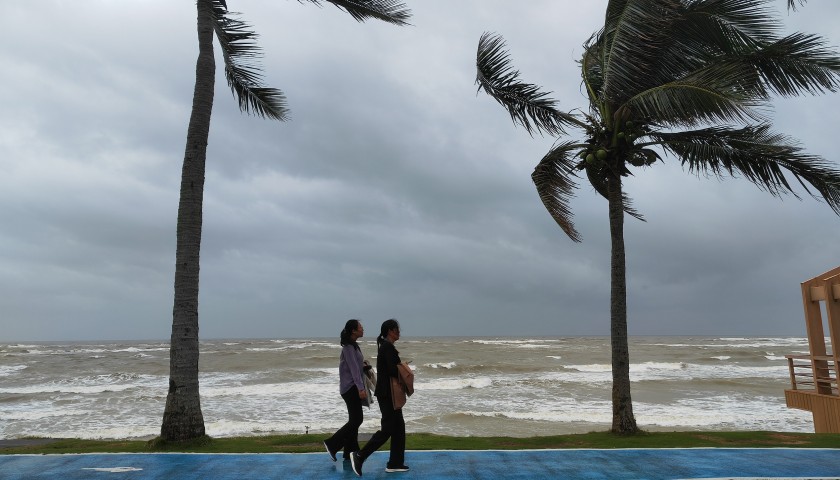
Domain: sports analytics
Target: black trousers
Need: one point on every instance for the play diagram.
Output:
(347, 437)
(393, 427)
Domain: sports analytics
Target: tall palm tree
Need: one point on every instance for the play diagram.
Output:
(182, 417)
(683, 78)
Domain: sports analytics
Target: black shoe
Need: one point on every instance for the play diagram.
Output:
(401, 468)
(356, 461)
(332, 454)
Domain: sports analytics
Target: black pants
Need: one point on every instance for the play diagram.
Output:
(347, 437)
(393, 427)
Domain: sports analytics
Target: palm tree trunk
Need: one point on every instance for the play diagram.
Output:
(182, 418)
(623, 421)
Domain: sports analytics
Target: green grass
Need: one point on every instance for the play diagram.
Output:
(426, 441)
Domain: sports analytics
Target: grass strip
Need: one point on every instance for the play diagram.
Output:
(427, 441)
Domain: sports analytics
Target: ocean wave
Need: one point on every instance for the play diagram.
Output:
(92, 351)
(738, 342)
(8, 370)
(298, 346)
(526, 343)
(670, 371)
(89, 385)
(445, 366)
(454, 383)
(504, 386)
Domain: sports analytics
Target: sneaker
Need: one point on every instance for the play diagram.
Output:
(401, 468)
(332, 454)
(356, 461)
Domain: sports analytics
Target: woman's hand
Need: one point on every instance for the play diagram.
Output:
(362, 394)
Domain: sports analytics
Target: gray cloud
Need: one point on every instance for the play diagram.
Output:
(395, 191)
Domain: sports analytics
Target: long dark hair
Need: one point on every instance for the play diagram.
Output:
(387, 326)
(351, 325)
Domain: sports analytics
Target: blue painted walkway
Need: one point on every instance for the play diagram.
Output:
(653, 464)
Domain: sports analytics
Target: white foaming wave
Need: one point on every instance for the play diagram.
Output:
(295, 346)
(144, 349)
(8, 370)
(743, 343)
(45, 412)
(775, 357)
(446, 365)
(527, 343)
(723, 411)
(593, 368)
(556, 357)
(595, 412)
(95, 351)
(671, 371)
(90, 385)
(269, 389)
(128, 432)
(722, 357)
(455, 383)
(718, 412)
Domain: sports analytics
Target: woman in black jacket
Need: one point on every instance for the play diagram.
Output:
(393, 424)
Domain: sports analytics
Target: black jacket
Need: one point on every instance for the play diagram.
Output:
(387, 359)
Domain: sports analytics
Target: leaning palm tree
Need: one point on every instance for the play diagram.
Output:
(182, 417)
(682, 79)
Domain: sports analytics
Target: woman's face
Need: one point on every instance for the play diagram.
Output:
(359, 332)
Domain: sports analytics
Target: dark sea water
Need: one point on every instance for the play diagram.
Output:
(464, 386)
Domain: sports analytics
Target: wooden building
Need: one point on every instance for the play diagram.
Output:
(813, 377)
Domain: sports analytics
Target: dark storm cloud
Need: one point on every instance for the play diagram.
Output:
(395, 190)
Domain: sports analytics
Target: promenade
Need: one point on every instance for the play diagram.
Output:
(653, 464)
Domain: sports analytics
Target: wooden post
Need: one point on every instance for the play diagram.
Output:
(811, 295)
(832, 311)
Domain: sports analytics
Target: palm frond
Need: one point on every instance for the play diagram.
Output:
(591, 70)
(759, 155)
(635, 36)
(792, 3)
(555, 186)
(242, 71)
(797, 63)
(695, 100)
(525, 103)
(729, 22)
(704, 31)
(389, 11)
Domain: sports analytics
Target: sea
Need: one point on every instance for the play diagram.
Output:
(463, 386)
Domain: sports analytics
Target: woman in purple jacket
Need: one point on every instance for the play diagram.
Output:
(352, 388)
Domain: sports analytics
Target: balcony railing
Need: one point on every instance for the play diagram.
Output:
(817, 373)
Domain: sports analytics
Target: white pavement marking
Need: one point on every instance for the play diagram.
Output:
(114, 469)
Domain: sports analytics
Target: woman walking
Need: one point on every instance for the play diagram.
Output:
(352, 389)
(393, 424)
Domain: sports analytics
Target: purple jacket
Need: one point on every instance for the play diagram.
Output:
(350, 365)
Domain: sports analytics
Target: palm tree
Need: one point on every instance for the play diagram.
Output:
(686, 78)
(182, 417)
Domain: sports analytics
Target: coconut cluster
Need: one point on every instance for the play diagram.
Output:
(604, 143)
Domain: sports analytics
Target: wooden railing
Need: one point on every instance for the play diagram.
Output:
(816, 373)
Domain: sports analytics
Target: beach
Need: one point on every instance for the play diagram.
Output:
(464, 386)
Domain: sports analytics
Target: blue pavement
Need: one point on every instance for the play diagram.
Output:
(653, 464)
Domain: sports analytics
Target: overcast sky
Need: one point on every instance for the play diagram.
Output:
(394, 191)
